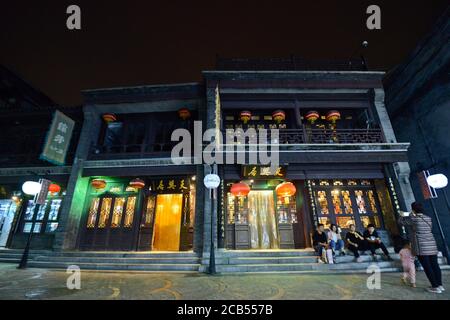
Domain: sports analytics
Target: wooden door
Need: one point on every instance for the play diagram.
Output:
(167, 226)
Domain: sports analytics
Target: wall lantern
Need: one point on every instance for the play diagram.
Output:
(312, 116)
(31, 188)
(54, 188)
(240, 189)
(333, 116)
(279, 116)
(437, 181)
(184, 113)
(98, 184)
(245, 116)
(109, 117)
(137, 183)
(286, 190)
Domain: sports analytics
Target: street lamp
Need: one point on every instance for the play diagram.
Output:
(437, 181)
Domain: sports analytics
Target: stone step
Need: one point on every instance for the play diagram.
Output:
(265, 253)
(116, 266)
(121, 260)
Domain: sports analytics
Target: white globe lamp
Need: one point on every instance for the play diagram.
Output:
(31, 188)
(437, 181)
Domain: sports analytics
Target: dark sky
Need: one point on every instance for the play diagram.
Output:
(151, 42)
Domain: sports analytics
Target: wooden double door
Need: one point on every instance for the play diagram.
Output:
(136, 222)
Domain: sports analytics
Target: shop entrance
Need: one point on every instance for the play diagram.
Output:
(262, 220)
(167, 228)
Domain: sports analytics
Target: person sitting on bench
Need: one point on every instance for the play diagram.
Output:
(374, 242)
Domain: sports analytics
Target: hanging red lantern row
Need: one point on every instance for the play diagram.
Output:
(184, 113)
(109, 117)
(240, 189)
(245, 116)
(333, 116)
(279, 116)
(137, 183)
(54, 188)
(312, 116)
(98, 184)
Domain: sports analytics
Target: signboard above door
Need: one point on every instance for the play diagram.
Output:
(263, 172)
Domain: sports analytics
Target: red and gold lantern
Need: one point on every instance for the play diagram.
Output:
(98, 184)
(333, 116)
(109, 117)
(184, 113)
(312, 116)
(286, 190)
(54, 188)
(240, 189)
(137, 183)
(245, 116)
(279, 116)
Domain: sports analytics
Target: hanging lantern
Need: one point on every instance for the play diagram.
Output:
(54, 188)
(137, 183)
(286, 190)
(279, 116)
(333, 116)
(109, 117)
(312, 116)
(240, 189)
(245, 116)
(98, 184)
(184, 113)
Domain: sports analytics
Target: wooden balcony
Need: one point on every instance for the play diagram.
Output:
(326, 136)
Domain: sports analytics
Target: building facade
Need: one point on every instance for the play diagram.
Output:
(25, 117)
(339, 162)
(418, 102)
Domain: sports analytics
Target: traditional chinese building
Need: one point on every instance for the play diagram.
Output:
(339, 162)
(25, 117)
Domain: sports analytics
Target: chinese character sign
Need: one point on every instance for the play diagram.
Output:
(58, 139)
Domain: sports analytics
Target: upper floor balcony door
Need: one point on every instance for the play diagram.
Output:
(139, 135)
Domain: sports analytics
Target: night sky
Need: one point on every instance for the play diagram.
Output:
(132, 42)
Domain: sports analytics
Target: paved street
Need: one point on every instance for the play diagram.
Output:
(50, 284)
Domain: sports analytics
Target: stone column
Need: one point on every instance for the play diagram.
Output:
(73, 204)
(401, 169)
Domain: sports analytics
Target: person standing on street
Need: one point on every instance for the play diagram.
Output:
(423, 245)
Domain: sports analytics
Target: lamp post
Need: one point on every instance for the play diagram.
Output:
(39, 190)
(212, 182)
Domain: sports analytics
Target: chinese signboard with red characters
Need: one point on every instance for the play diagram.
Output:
(58, 139)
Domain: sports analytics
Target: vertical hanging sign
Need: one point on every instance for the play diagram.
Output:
(58, 139)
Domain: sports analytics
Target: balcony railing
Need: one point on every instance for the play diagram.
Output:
(286, 137)
(324, 136)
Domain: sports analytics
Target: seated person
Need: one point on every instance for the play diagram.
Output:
(374, 242)
(335, 240)
(355, 242)
(320, 240)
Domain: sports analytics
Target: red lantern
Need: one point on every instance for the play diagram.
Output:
(184, 113)
(240, 189)
(98, 184)
(137, 183)
(286, 190)
(109, 117)
(54, 188)
(312, 116)
(245, 116)
(279, 116)
(333, 116)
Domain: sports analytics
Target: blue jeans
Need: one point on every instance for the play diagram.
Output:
(337, 246)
